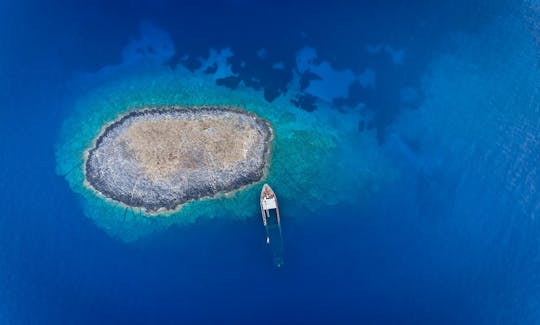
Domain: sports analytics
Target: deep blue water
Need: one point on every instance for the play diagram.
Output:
(454, 239)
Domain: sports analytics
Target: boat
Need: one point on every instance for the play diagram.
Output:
(272, 223)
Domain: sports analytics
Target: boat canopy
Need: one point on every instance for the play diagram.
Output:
(269, 204)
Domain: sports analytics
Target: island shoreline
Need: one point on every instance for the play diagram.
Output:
(163, 208)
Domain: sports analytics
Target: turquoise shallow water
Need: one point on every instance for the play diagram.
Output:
(307, 152)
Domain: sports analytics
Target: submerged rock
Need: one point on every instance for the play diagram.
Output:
(159, 158)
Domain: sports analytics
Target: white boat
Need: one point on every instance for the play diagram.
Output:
(272, 223)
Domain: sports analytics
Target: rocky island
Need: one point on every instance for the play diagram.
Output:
(158, 158)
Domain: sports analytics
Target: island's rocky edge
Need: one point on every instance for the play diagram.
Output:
(158, 158)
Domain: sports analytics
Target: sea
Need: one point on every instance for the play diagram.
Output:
(409, 132)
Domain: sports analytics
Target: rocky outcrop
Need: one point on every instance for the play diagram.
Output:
(159, 158)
